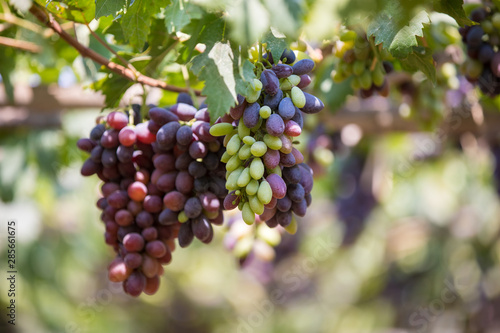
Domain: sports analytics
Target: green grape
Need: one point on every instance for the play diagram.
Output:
(298, 97)
(182, 217)
(265, 194)
(221, 129)
(358, 67)
(229, 137)
(252, 187)
(273, 142)
(243, 130)
(233, 163)
(355, 85)
(244, 178)
(257, 168)
(292, 227)
(244, 152)
(378, 75)
(495, 19)
(269, 235)
(249, 140)
(256, 85)
(349, 35)
(285, 84)
(365, 79)
(253, 96)
(277, 170)
(487, 26)
(294, 79)
(225, 157)
(233, 145)
(248, 214)
(256, 205)
(232, 179)
(362, 52)
(258, 149)
(265, 112)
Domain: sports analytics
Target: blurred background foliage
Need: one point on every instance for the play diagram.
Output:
(402, 235)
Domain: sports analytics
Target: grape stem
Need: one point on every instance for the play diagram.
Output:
(127, 73)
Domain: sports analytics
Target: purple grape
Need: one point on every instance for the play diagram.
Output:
(182, 162)
(202, 130)
(282, 70)
(144, 219)
(168, 217)
(184, 135)
(474, 36)
(284, 204)
(193, 207)
(231, 201)
(184, 98)
(288, 56)
(197, 169)
(292, 174)
(211, 161)
(271, 158)
(295, 192)
(90, 167)
(486, 53)
(297, 117)
(278, 185)
(305, 80)
(313, 104)
(251, 115)
(167, 134)
(286, 108)
(307, 179)
(198, 149)
(109, 139)
(275, 125)
(185, 234)
(85, 144)
(184, 111)
(201, 228)
(303, 66)
(299, 207)
(124, 154)
(273, 101)
(495, 66)
(287, 160)
(97, 132)
(237, 111)
(201, 184)
(284, 218)
(162, 116)
(203, 115)
(270, 82)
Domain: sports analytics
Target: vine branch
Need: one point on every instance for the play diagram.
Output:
(127, 73)
(20, 44)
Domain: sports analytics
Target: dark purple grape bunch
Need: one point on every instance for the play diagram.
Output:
(265, 172)
(162, 180)
(121, 155)
(482, 66)
(188, 169)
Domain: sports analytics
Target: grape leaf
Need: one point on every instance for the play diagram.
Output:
(136, 23)
(179, 14)
(276, 43)
(211, 33)
(108, 7)
(112, 87)
(220, 82)
(453, 8)
(421, 60)
(81, 11)
(397, 34)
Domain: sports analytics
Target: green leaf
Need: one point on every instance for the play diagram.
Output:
(108, 7)
(211, 34)
(398, 35)
(112, 87)
(220, 82)
(453, 8)
(136, 23)
(179, 14)
(81, 11)
(285, 15)
(421, 60)
(276, 43)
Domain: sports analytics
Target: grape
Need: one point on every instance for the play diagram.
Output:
(150, 266)
(211, 161)
(286, 144)
(270, 82)
(143, 133)
(149, 234)
(197, 169)
(118, 271)
(292, 128)
(306, 180)
(292, 174)
(174, 200)
(109, 139)
(287, 160)
(184, 135)
(90, 167)
(495, 65)
(127, 136)
(185, 235)
(312, 105)
(282, 70)
(221, 129)
(201, 228)
(184, 182)
(133, 260)
(303, 66)
(305, 80)
(135, 284)
(288, 57)
(271, 158)
(85, 144)
(474, 36)
(153, 203)
(137, 191)
(201, 184)
(152, 285)
(193, 207)
(108, 157)
(251, 115)
(486, 53)
(168, 217)
(258, 149)
(275, 125)
(478, 15)
(284, 218)
(184, 111)
(144, 219)
(265, 193)
(202, 131)
(96, 153)
(124, 218)
(198, 149)
(286, 108)
(298, 98)
(231, 201)
(297, 118)
(273, 101)
(248, 214)
(209, 202)
(284, 204)
(166, 182)
(236, 112)
(277, 184)
(295, 192)
(117, 120)
(184, 98)
(300, 207)
(133, 242)
(162, 116)
(166, 136)
(118, 199)
(156, 249)
(97, 132)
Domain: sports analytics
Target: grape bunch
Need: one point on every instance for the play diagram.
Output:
(265, 172)
(363, 62)
(482, 66)
(162, 180)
